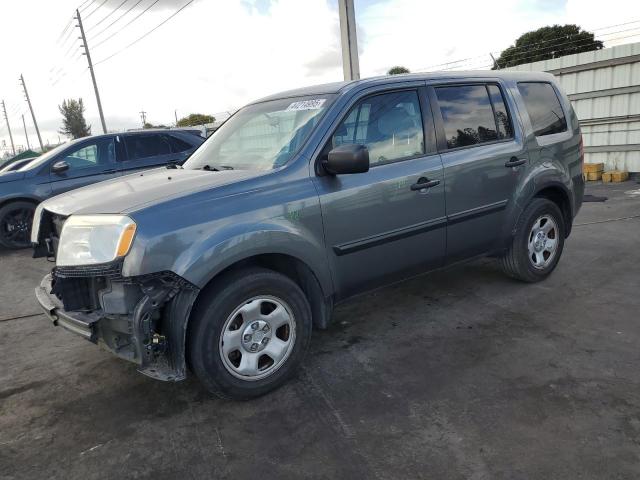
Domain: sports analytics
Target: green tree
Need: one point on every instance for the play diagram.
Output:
(74, 124)
(151, 125)
(195, 119)
(397, 70)
(547, 42)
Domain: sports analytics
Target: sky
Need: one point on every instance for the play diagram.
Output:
(217, 55)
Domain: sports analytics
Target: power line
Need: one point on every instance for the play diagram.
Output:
(126, 25)
(146, 34)
(582, 41)
(81, 8)
(540, 43)
(523, 57)
(64, 30)
(95, 9)
(117, 19)
(106, 16)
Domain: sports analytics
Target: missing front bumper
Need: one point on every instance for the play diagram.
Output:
(151, 333)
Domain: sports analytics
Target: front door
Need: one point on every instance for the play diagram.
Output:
(483, 160)
(383, 225)
(90, 161)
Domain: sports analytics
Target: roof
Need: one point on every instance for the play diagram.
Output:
(341, 87)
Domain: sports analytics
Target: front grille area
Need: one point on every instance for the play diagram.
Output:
(107, 270)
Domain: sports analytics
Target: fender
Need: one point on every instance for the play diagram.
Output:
(203, 259)
(542, 176)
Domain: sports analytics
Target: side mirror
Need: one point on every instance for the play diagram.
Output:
(60, 167)
(347, 159)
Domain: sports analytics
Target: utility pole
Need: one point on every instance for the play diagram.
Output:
(143, 117)
(175, 114)
(6, 119)
(93, 75)
(25, 133)
(33, 115)
(349, 40)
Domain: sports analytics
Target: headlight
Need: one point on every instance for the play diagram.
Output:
(94, 239)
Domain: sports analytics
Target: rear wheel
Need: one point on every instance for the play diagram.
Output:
(15, 224)
(249, 333)
(537, 244)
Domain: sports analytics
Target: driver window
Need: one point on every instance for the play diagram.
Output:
(95, 154)
(390, 125)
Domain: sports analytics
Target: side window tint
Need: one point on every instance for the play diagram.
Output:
(102, 152)
(145, 146)
(503, 121)
(390, 125)
(467, 115)
(177, 144)
(543, 106)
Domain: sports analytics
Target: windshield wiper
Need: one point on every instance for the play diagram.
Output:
(217, 168)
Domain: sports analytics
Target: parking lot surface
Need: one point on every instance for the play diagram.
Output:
(458, 374)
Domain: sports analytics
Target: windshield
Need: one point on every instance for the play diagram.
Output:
(262, 136)
(43, 158)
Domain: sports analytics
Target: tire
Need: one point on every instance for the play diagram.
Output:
(224, 318)
(15, 224)
(529, 257)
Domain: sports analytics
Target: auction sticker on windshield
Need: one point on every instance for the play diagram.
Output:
(315, 104)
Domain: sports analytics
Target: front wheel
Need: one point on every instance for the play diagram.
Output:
(249, 333)
(15, 224)
(538, 242)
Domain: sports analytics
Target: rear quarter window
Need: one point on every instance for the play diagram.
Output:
(543, 106)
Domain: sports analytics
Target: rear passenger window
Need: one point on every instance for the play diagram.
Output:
(545, 112)
(503, 122)
(390, 125)
(144, 146)
(467, 115)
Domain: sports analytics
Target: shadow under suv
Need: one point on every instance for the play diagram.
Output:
(78, 163)
(302, 200)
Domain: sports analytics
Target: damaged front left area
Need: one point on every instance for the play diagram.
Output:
(141, 319)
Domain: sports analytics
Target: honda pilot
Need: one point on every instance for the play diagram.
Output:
(301, 200)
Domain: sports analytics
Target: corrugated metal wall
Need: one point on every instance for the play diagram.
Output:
(604, 88)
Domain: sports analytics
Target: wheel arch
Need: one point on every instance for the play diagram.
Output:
(558, 194)
(320, 300)
(7, 201)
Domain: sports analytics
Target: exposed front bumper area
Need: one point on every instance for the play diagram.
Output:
(142, 319)
(82, 324)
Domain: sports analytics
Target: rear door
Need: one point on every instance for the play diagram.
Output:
(381, 225)
(146, 150)
(90, 161)
(484, 159)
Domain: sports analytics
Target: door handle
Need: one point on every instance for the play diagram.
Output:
(515, 162)
(112, 170)
(424, 183)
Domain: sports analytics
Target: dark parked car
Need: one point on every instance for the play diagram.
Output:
(79, 163)
(18, 164)
(298, 202)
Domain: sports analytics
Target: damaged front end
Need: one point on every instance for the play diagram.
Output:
(142, 319)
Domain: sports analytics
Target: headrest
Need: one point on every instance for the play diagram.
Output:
(394, 121)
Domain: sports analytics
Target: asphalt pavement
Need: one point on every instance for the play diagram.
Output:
(461, 374)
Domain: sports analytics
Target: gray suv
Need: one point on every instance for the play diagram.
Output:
(82, 162)
(302, 200)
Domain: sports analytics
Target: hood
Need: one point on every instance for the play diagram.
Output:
(129, 193)
(11, 176)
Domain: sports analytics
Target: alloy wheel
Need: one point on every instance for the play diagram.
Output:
(543, 242)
